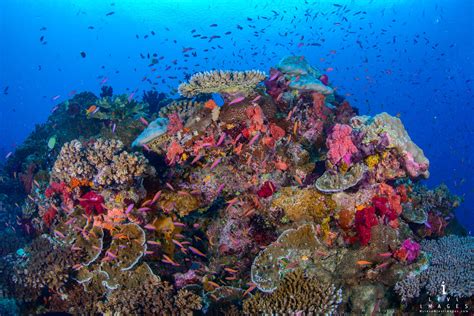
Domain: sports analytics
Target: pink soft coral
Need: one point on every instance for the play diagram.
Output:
(175, 124)
(174, 150)
(341, 147)
(408, 252)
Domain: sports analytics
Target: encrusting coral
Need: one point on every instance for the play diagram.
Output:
(336, 181)
(229, 83)
(296, 293)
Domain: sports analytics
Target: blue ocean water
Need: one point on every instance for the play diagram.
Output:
(409, 58)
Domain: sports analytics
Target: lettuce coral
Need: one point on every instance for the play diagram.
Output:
(332, 182)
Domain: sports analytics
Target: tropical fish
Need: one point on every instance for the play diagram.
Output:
(91, 109)
(196, 251)
(52, 142)
(363, 262)
(237, 100)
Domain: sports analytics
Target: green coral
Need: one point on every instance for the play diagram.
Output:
(118, 109)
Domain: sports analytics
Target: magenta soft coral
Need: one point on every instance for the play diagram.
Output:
(340, 145)
(92, 203)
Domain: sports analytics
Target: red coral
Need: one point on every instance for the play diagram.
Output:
(383, 209)
(340, 145)
(256, 116)
(92, 203)
(175, 124)
(62, 190)
(435, 225)
(276, 133)
(344, 113)
(49, 215)
(365, 219)
(267, 189)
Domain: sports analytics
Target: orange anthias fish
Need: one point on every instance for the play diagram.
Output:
(91, 109)
(363, 262)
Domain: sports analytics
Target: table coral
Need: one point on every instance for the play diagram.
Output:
(229, 83)
(295, 248)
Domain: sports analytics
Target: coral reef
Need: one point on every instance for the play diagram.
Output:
(281, 199)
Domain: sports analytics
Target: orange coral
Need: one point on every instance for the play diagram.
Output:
(393, 198)
(346, 219)
(75, 182)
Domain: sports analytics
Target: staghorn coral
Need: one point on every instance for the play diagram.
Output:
(303, 204)
(390, 128)
(450, 263)
(229, 83)
(297, 293)
(331, 182)
(102, 161)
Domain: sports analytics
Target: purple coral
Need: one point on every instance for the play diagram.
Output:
(340, 145)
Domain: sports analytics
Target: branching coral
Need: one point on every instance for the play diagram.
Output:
(102, 161)
(47, 267)
(228, 83)
(450, 263)
(297, 293)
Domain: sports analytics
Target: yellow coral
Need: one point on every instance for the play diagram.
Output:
(372, 160)
(183, 203)
(304, 204)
